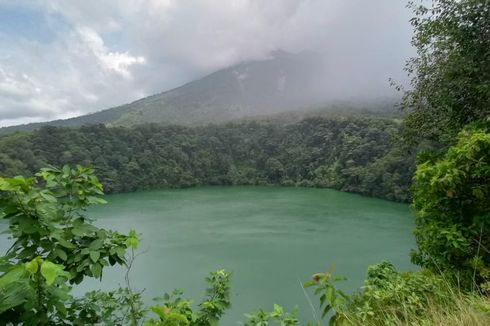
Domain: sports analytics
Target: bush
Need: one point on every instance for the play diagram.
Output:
(452, 206)
(390, 297)
(56, 245)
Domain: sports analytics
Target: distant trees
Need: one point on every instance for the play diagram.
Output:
(348, 153)
(451, 73)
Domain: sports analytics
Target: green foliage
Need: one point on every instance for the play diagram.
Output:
(176, 311)
(119, 307)
(55, 245)
(348, 153)
(45, 219)
(332, 300)
(33, 292)
(390, 297)
(451, 73)
(452, 206)
(278, 316)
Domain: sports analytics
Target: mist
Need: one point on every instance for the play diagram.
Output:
(77, 57)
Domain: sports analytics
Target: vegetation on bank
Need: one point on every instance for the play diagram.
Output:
(452, 207)
(345, 152)
(390, 297)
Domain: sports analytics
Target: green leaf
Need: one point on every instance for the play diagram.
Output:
(13, 275)
(48, 197)
(96, 270)
(94, 255)
(326, 310)
(329, 293)
(50, 271)
(121, 252)
(96, 200)
(61, 253)
(17, 294)
(322, 300)
(66, 170)
(77, 231)
(65, 243)
(132, 242)
(28, 226)
(96, 244)
(32, 266)
(310, 283)
(159, 311)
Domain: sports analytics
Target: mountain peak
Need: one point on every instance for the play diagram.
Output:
(284, 82)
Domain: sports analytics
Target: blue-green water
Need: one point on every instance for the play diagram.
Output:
(271, 238)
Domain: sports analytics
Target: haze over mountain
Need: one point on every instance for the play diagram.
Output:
(281, 83)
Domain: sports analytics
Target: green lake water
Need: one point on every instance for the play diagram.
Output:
(271, 238)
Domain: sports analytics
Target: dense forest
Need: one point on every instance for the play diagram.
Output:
(346, 152)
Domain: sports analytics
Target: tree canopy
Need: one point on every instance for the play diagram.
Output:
(450, 85)
(354, 153)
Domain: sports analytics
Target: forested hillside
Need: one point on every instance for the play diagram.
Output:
(346, 152)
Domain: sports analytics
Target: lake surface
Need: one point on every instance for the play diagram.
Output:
(271, 238)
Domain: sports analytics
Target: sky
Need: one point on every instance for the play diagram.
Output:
(60, 59)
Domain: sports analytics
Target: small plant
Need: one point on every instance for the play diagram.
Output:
(332, 300)
(118, 307)
(176, 311)
(278, 316)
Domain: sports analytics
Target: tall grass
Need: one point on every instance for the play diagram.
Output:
(465, 310)
(413, 298)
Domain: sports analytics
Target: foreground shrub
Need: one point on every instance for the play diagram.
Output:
(390, 297)
(55, 246)
(452, 206)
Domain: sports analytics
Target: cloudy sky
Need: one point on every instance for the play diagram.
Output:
(62, 58)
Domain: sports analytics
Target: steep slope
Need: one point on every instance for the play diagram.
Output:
(281, 83)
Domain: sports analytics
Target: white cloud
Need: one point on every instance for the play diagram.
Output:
(74, 75)
(111, 61)
(17, 86)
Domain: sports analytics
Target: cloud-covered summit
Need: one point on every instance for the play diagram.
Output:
(60, 58)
